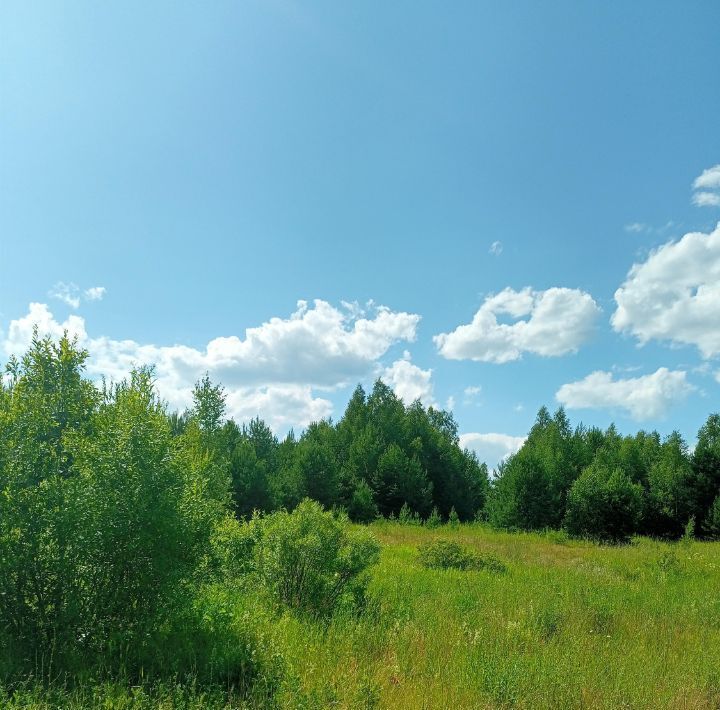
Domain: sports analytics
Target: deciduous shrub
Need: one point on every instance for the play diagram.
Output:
(312, 560)
(104, 515)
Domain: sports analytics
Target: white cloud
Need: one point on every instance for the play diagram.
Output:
(271, 372)
(95, 293)
(410, 382)
(450, 404)
(491, 448)
(20, 331)
(282, 406)
(706, 199)
(560, 320)
(67, 293)
(709, 179)
(675, 294)
(707, 188)
(646, 397)
(643, 228)
(496, 248)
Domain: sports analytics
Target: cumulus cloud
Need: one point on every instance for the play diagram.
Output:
(272, 371)
(674, 294)
(646, 397)
(706, 199)
(707, 188)
(709, 179)
(20, 331)
(492, 448)
(496, 248)
(410, 382)
(282, 406)
(557, 322)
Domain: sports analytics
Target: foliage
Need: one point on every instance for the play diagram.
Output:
(446, 554)
(712, 520)
(104, 515)
(362, 507)
(434, 520)
(604, 504)
(312, 560)
(407, 516)
(400, 481)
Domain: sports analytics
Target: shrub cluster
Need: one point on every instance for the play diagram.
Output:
(446, 554)
(309, 559)
(104, 514)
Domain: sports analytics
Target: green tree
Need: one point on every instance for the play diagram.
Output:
(705, 479)
(362, 507)
(398, 480)
(669, 503)
(521, 497)
(604, 504)
(317, 465)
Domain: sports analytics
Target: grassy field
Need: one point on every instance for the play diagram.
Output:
(568, 625)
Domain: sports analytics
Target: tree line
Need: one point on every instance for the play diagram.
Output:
(380, 459)
(603, 485)
(383, 458)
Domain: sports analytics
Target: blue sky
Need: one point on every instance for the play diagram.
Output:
(205, 166)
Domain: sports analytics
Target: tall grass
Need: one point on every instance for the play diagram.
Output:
(569, 625)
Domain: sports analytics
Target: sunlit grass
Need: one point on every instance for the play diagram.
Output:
(569, 625)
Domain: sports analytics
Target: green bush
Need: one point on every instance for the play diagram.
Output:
(233, 548)
(221, 638)
(312, 560)
(445, 554)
